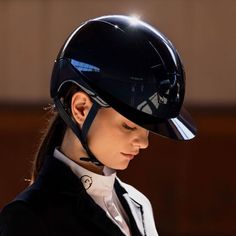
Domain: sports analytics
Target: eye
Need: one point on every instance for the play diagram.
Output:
(128, 127)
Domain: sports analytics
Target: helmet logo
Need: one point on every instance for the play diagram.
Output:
(136, 78)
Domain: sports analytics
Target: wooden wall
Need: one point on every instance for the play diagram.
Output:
(204, 32)
(191, 185)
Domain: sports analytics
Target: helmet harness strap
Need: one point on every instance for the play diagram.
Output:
(80, 133)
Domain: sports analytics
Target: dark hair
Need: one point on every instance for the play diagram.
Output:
(52, 138)
(53, 134)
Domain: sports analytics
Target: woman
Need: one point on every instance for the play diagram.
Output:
(114, 80)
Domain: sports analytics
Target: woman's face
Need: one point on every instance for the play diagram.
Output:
(115, 140)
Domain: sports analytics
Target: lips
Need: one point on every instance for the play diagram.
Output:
(129, 155)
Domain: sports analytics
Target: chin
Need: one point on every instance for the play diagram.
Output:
(121, 166)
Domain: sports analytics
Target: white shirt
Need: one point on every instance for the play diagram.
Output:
(101, 189)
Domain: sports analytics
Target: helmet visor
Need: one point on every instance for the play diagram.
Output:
(181, 127)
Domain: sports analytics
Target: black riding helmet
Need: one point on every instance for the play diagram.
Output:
(128, 65)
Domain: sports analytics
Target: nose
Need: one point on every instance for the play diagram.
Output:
(141, 138)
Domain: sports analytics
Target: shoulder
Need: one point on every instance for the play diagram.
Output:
(132, 191)
(142, 203)
(135, 194)
(17, 218)
(23, 215)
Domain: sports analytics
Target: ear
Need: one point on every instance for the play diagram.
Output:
(80, 106)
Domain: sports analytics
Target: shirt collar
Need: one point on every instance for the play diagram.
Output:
(95, 184)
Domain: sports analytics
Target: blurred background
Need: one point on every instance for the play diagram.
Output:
(192, 185)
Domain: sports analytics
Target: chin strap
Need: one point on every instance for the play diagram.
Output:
(80, 133)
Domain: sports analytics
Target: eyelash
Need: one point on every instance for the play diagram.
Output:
(128, 127)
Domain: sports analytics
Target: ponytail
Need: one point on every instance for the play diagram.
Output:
(54, 133)
(53, 137)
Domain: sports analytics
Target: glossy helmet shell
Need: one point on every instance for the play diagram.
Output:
(128, 65)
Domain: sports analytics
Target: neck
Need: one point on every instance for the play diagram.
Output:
(73, 149)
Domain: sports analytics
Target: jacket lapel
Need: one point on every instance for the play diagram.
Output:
(133, 210)
(136, 210)
(56, 177)
(96, 215)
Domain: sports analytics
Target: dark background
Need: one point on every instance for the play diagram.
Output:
(191, 185)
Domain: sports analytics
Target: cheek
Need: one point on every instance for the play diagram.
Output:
(107, 142)
(101, 140)
(107, 148)
(111, 141)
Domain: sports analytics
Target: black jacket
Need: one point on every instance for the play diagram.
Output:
(57, 204)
